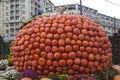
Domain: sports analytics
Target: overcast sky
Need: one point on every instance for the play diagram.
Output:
(103, 6)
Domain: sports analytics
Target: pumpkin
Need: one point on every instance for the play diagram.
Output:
(45, 79)
(26, 78)
(60, 44)
(117, 77)
(117, 68)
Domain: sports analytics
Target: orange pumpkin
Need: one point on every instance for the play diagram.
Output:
(117, 77)
(26, 78)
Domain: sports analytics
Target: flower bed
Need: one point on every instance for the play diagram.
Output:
(3, 64)
(11, 75)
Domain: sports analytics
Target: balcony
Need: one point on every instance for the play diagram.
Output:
(11, 27)
(12, 9)
(12, 34)
(11, 15)
(17, 8)
(12, 2)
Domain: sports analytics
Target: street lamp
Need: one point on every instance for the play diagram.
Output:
(81, 7)
(114, 24)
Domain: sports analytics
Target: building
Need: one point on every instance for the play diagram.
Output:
(106, 22)
(14, 12)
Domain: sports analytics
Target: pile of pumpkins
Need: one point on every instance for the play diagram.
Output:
(60, 44)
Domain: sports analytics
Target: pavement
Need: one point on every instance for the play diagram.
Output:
(1, 72)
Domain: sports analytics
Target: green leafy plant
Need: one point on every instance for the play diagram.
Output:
(108, 74)
(111, 73)
(9, 56)
(54, 77)
(81, 77)
(59, 77)
(63, 76)
(98, 76)
(10, 60)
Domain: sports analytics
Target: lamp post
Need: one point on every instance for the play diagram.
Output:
(114, 24)
(3, 23)
(81, 7)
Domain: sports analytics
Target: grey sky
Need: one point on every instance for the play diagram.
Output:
(102, 6)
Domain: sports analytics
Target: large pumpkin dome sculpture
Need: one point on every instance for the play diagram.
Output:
(62, 44)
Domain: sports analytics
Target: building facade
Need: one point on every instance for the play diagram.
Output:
(14, 12)
(109, 24)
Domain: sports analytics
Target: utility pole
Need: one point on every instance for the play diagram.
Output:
(81, 7)
(114, 23)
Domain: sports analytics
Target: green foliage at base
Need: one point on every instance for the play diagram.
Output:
(108, 74)
(59, 77)
(9, 56)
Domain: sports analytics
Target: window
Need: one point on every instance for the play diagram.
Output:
(39, 6)
(12, 6)
(108, 28)
(23, 18)
(17, 18)
(71, 7)
(72, 13)
(17, 29)
(23, 12)
(49, 9)
(7, 31)
(23, 0)
(103, 27)
(31, 1)
(11, 34)
(7, 8)
(7, 2)
(102, 17)
(17, 6)
(31, 8)
(11, 24)
(23, 6)
(12, 30)
(11, 1)
(31, 14)
(12, 13)
(36, 11)
(107, 18)
(35, 3)
(17, 0)
(111, 19)
(7, 25)
(11, 18)
(39, 12)
(7, 13)
(7, 19)
(17, 24)
(85, 9)
(17, 12)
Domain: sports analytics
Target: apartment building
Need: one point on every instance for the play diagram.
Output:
(106, 22)
(2, 16)
(14, 12)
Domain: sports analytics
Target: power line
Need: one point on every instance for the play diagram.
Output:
(112, 3)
